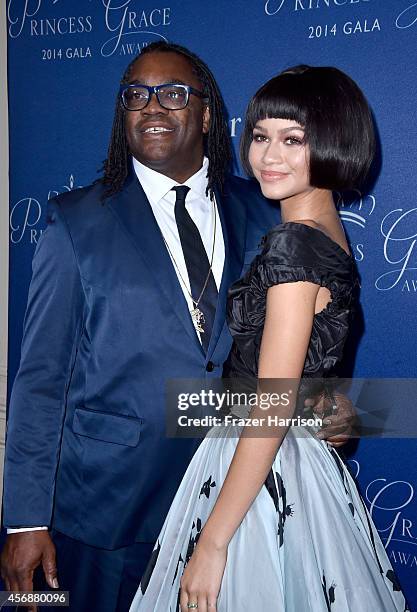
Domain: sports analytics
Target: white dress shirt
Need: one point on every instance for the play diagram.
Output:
(158, 190)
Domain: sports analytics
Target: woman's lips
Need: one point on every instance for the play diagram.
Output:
(272, 177)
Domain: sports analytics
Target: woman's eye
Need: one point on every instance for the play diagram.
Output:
(294, 140)
(259, 138)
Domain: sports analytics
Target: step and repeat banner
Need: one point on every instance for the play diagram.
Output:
(65, 61)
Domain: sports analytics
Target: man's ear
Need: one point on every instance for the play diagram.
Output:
(206, 120)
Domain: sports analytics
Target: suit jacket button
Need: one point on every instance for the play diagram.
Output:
(210, 366)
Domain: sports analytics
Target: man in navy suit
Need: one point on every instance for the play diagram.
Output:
(122, 265)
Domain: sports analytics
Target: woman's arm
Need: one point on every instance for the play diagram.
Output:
(288, 325)
(286, 335)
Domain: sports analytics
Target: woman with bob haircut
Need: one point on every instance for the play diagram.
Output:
(267, 516)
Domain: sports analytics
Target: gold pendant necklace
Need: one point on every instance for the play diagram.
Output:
(198, 319)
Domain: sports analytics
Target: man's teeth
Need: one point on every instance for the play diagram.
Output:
(156, 130)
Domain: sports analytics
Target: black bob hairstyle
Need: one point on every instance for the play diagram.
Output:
(335, 116)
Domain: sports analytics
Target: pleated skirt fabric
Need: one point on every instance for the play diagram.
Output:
(307, 543)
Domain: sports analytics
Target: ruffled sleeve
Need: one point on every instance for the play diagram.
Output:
(295, 252)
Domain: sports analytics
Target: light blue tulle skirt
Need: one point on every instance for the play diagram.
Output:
(307, 544)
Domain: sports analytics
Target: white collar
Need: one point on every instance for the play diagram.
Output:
(159, 185)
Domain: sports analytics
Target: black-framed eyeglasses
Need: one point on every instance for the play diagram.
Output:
(172, 96)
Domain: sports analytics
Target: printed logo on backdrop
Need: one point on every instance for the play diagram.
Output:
(339, 27)
(391, 504)
(407, 18)
(26, 214)
(355, 210)
(132, 29)
(273, 7)
(126, 27)
(399, 232)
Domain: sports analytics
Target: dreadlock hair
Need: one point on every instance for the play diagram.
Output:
(217, 143)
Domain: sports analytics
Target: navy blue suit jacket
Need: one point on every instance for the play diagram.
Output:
(106, 325)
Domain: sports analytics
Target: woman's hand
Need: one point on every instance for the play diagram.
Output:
(201, 580)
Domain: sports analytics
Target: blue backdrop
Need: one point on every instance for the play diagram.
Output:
(65, 61)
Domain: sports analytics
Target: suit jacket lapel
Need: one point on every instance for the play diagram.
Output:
(135, 215)
(233, 219)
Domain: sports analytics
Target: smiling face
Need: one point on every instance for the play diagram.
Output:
(168, 141)
(278, 157)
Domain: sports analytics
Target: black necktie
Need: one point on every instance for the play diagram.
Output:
(197, 263)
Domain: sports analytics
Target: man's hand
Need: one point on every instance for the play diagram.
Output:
(338, 426)
(22, 554)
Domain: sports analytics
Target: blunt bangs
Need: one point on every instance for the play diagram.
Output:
(335, 116)
(275, 100)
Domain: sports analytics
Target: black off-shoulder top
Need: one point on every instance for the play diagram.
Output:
(292, 252)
